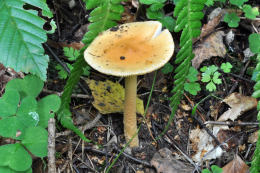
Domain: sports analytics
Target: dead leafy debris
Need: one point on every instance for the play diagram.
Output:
(237, 165)
(239, 104)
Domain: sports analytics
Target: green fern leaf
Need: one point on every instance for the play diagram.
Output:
(188, 13)
(104, 16)
(21, 38)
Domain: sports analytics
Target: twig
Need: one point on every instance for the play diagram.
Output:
(51, 146)
(235, 123)
(175, 145)
(83, 96)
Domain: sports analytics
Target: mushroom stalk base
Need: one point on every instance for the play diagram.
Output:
(130, 127)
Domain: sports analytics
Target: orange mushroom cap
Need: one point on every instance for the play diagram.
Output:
(130, 49)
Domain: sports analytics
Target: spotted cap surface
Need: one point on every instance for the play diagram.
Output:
(130, 49)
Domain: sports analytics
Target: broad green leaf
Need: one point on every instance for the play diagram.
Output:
(35, 140)
(15, 157)
(42, 5)
(250, 12)
(205, 77)
(154, 14)
(209, 3)
(156, 6)
(232, 19)
(216, 169)
(27, 112)
(21, 38)
(254, 43)
(29, 86)
(193, 74)
(150, 2)
(5, 169)
(10, 127)
(206, 171)
(47, 106)
(168, 22)
(9, 102)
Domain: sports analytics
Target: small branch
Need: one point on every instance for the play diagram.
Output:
(235, 123)
(83, 96)
(51, 146)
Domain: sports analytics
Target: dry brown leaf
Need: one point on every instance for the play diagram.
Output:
(202, 143)
(164, 162)
(212, 46)
(253, 137)
(239, 104)
(237, 165)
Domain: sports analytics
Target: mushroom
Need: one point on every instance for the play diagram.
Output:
(129, 50)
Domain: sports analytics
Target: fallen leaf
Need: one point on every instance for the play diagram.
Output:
(253, 137)
(237, 165)
(212, 46)
(109, 97)
(202, 143)
(239, 104)
(164, 162)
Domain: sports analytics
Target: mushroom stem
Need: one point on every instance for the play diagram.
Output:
(130, 127)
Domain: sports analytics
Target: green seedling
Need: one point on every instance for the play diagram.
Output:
(191, 85)
(237, 3)
(226, 67)
(167, 68)
(232, 19)
(24, 119)
(214, 169)
(250, 12)
(210, 75)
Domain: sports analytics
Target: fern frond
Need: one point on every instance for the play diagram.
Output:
(188, 13)
(104, 16)
(255, 164)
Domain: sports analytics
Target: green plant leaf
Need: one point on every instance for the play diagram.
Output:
(211, 87)
(203, 69)
(205, 77)
(29, 86)
(168, 22)
(47, 106)
(150, 2)
(238, 3)
(254, 43)
(154, 14)
(232, 19)
(71, 53)
(211, 69)
(250, 12)
(42, 5)
(6, 169)
(26, 113)
(21, 38)
(226, 67)
(216, 169)
(15, 157)
(61, 72)
(10, 126)
(205, 171)
(167, 68)
(192, 87)
(193, 75)
(216, 79)
(209, 3)
(35, 140)
(9, 102)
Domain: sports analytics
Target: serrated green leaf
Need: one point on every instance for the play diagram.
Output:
(35, 140)
(211, 69)
(238, 3)
(92, 4)
(211, 87)
(193, 74)
(226, 67)
(21, 38)
(71, 53)
(232, 19)
(216, 79)
(203, 69)
(61, 71)
(205, 77)
(9, 102)
(53, 27)
(29, 86)
(27, 112)
(42, 5)
(6, 169)
(154, 14)
(15, 157)
(192, 87)
(156, 7)
(250, 12)
(254, 43)
(47, 106)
